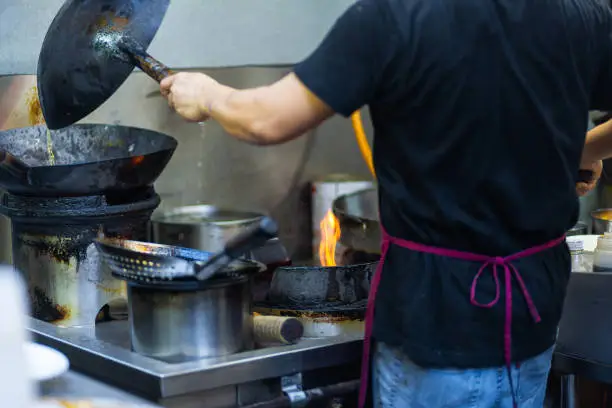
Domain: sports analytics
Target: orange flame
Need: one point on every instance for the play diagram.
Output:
(330, 234)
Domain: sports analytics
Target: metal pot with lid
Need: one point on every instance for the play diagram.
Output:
(203, 227)
(196, 320)
(208, 228)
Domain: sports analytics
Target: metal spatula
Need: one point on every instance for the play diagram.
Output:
(144, 261)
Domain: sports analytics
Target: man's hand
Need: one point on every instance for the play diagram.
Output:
(190, 94)
(583, 187)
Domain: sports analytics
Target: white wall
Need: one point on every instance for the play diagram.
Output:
(195, 33)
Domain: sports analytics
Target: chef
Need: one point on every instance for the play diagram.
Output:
(479, 114)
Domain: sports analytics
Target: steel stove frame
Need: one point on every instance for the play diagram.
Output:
(104, 353)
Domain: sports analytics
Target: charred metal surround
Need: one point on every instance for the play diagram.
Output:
(53, 248)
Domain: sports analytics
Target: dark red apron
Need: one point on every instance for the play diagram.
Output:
(487, 261)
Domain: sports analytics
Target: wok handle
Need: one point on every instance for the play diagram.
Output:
(143, 60)
(243, 243)
(14, 166)
(252, 238)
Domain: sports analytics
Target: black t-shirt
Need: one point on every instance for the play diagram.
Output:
(479, 110)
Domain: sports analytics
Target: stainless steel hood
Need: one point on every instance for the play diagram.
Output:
(194, 34)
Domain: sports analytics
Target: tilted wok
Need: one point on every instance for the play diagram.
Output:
(357, 214)
(90, 49)
(89, 159)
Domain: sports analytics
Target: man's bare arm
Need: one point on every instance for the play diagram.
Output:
(266, 115)
(598, 144)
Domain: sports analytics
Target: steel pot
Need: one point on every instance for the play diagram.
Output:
(183, 325)
(208, 228)
(602, 220)
(203, 227)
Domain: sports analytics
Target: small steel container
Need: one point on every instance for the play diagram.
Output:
(193, 321)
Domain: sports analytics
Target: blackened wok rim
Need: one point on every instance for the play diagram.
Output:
(171, 141)
(338, 211)
(290, 268)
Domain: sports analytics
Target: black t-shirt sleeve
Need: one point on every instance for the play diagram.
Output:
(347, 68)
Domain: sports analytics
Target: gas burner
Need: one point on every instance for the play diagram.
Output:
(53, 246)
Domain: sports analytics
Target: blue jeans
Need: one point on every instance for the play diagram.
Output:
(399, 383)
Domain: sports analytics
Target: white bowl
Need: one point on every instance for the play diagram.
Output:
(45, 363)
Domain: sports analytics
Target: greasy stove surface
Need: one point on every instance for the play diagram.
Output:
(104, 353)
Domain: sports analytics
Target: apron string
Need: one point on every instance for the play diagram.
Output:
(488, 263)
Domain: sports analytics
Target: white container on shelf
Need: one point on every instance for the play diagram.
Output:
(602, 259)
(16, 388)
(576, 248)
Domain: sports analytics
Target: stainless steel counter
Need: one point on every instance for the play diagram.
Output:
(104, 353)
(73, 385)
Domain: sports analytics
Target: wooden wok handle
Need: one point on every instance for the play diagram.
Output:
(277, 329)
(141, 58)
(152, 67)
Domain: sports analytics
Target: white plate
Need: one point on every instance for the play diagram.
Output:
(45, 363)
(60, 403)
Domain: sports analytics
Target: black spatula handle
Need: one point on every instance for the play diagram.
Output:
(240, 245)
(585, 176)
(253, 238)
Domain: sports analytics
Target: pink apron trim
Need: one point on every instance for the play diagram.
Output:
(505, 263)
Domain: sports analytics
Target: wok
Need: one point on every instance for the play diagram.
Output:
(316, 285)
(90, 49)
(89, 159)
(357, 214)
